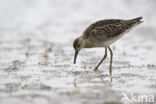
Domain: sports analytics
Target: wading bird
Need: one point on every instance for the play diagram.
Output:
(102, 34)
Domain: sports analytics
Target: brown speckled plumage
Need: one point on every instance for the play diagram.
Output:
(112, 27)
(102, 34)
(104, 30)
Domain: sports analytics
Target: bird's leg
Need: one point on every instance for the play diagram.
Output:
(96, 68)
(110, 67)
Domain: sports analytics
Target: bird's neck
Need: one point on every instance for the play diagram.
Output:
(87, 43)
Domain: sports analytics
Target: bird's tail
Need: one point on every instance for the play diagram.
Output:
(134, 21)
(137, 20)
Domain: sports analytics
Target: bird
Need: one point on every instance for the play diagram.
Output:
(103, 33)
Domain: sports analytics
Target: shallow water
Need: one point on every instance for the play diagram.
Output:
(36, 54)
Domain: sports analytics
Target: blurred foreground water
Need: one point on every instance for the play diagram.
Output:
(36, 53)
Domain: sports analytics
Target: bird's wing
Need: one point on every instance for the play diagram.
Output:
(116, 21)
(106, 22)
(109, 30)
(100, 26)
(110, 27)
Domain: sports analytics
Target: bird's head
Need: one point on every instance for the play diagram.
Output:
(78, 44)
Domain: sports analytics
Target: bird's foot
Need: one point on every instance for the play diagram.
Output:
(96, 69)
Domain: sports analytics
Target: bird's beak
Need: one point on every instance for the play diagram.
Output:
(75, 56)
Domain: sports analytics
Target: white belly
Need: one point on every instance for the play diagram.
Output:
(110, 41)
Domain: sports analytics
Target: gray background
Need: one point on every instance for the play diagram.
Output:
(36, 53)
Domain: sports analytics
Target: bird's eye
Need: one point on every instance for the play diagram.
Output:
(78, 45)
